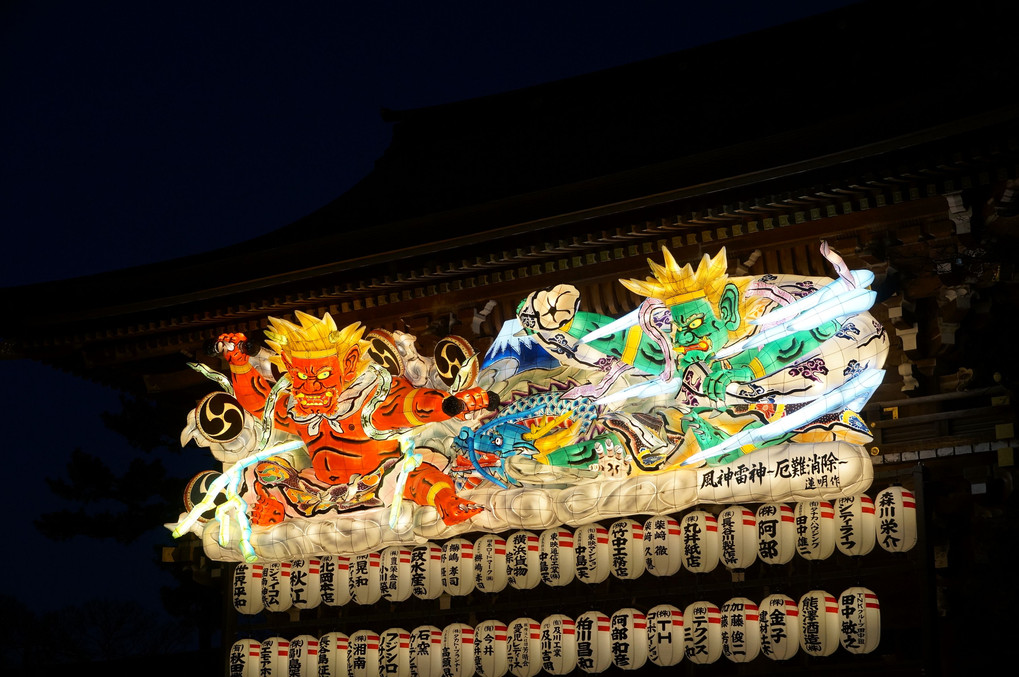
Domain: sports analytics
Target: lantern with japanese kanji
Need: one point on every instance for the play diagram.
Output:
(737, 537)
(243, 659)
(594, 645)
(426, 651)
(426, 571)
(556, 557)
(302, 658)
(522, 560)
(395, 576)
(819, 623)
(276, 587)
(776, 533)
(558, 644)
(855, 525)
(523, 647)
(490, 649)
(664, 635)
(246, 590)
(458, 650)
(457, 567)
(363, 654)
(334, 580)
(591, 546)
(815, 529)
(700, 541)
(628, 639)
(365, 578)
(780, 627)
(394, 652)
(332, 654)
(741, 630)
(895, 508)
(626, 549)
(860, 630)
(702, 632)
(663, 546)
(306, 582)
(490, 563)
(274, 658)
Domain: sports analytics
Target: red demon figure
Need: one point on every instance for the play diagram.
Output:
(334, 397)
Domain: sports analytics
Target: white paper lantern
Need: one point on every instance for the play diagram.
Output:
(395, 576)
(363, 654)
(702, 632)
(737, 537)
(741, 630)
(490, 658)
(594, 642)
(558, 644)
(896, 519)
(490, 563)
(591, 545)
(860, 630)
(523, 647)
(306, 582)
(334, 580)
(426, 571)
(243, 659)
(366, 578)
(664, 635)
(556, 557)
(626, 549)
(776, 533)
(855, 525)
(780, 627)
(819, 623)
(457, 567)
(275, 657)
(276, 587)
(332, 654)
(394, 652)
(628, 641)
(425, 651)
(700, 542)
(302, 658)
(663, 546)
(522, 560)
(246, 590)
(458, 650)
(815, 529)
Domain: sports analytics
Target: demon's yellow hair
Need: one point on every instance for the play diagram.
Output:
(312, 338)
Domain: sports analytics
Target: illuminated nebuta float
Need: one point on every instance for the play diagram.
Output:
(715, 390)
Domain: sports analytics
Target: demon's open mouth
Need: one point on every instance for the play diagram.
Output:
(703, 345)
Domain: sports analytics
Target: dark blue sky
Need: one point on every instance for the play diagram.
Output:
(134, 132)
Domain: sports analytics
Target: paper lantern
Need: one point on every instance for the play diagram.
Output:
(556, 557)
(395, 576)
(306, 582)
(594, 642)
(776, 533)
(741, 630)
(458, 650)
(274, 659)
(522, 560)
(246, 590)
(702, 632)
(334, 580)
(628, 640)
(860, 629)
(490, 563)
(365, 578)
(815, 529)
(780, 627)
(591, 545)
(855, 525)
(558, 644)
(700, 542)
(490, 659)
(626, 549)
(896, 519)
(363, 654)
(425, 651)
(663, 546)
(302, 658)
(819, 623)
(243, 659)
(457, 567)
(737, 537)
(523, 647)
(276, 587)
(332, 654)
(394, 652)
(664, 635)
(426, 571)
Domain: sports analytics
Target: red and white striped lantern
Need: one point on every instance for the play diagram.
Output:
(334, 580)
(522, 560)
(819, 623)
(302, 658)
(815, 529)
(243, 659)
(306, 582)
(737, 537)
(626, 549)
(663, 546)
(274, 659)
(855, 525)
(523, 647)
(457, 567)
(557, 562)
(276, 587)
(458, 650)
(394, 576)
(665, 635)
(702, 632)
(780, 627)
(490, 563)
(776, 533)
(896, 519)
(741, 630)
(425, 651)
(591, 545)
(246, 590)
(332, 654)
(366, 578)
(394, 652)
(558, 644)
(363, 654)
(628, 641)
(860, 631)
(490, 658)
(594, 642)
(700, 542)
(426, 571)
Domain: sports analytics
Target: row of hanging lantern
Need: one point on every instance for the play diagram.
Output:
(702, 633)
(661, 546)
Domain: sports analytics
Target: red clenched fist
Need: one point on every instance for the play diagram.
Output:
(474, 399)
(453, 509)
(267, 509)
(229, 346)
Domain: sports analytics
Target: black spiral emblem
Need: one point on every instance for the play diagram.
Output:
(220, 417)
(196, 490)
(382, 350)
(451, 356)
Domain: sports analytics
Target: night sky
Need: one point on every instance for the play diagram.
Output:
(135, 132)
